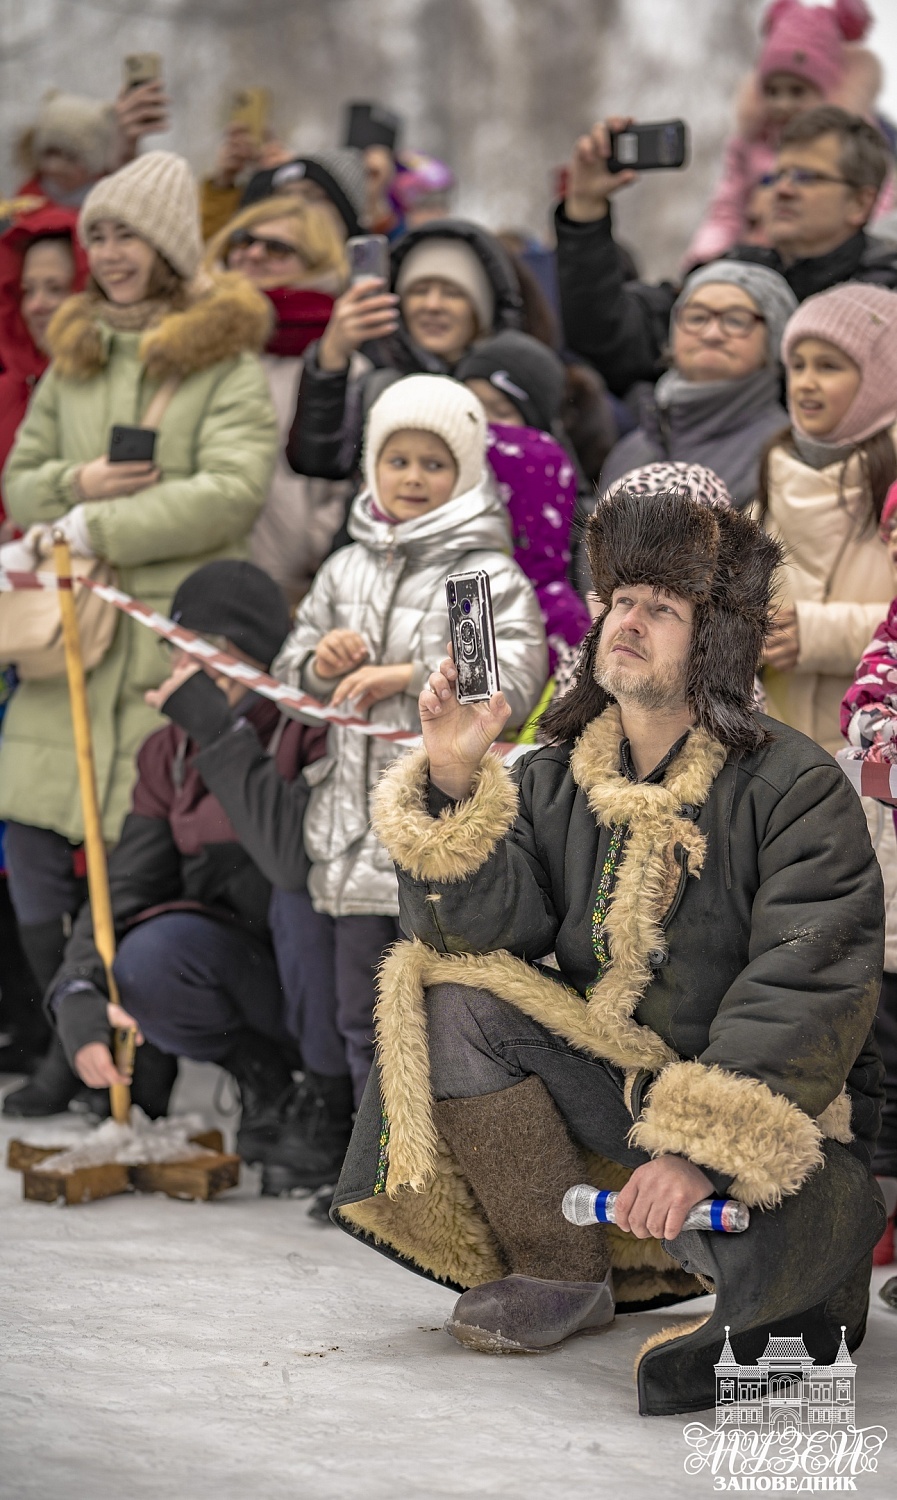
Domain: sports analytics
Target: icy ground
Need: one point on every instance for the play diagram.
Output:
(156, 1350)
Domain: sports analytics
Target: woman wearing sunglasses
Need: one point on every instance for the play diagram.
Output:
(293, 252)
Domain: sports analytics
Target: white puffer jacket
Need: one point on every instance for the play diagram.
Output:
(389, 587)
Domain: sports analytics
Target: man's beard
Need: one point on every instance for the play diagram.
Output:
(661, 688)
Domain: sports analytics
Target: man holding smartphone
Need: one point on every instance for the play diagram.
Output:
(703, 881)
(829, 171)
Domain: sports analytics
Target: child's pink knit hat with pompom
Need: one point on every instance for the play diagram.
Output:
(808, 40)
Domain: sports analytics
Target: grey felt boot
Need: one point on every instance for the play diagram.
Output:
(516, 1152)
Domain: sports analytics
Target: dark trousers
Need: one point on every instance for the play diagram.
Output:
(884, 1163)
(329, 966)
(480, 1045)
(191, 983)
(40, 868)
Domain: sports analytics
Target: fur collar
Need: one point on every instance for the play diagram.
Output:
(225, 317)
(613, 798)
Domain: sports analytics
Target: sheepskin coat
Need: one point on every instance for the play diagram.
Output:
(390, 588)
(745, 942)
(215, 449)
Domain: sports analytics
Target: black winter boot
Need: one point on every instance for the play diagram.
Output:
(313, 1138)
(155, 1074)
(265, 1081)
(49, 1091)
(21, 1009)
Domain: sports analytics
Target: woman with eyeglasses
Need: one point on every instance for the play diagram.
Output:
(719, 402)
(294, 253)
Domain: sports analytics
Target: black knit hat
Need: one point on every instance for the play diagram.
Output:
(721, 561)
(237, 600)
(526, 371)
(339, 172)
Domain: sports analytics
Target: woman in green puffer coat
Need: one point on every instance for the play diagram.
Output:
(146, 319)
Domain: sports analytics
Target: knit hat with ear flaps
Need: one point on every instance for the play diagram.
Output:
(155, 195)
(430, 403)
(861, 321)
(527, 372)
(718, 559)
(450, 260)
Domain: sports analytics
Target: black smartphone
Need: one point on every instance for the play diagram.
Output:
(658, 147)
(472, 634)
(132, 445)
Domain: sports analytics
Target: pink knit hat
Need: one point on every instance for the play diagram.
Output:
(861, 321)
(808, 40)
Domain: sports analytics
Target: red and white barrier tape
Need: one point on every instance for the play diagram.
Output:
(291, 700)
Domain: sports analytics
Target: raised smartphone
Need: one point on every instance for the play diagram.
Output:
(141, 67)
(661, 146)
(251, 108)
(472, 634)
(368, 256)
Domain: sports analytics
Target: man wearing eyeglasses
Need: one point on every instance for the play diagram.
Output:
(830, 169)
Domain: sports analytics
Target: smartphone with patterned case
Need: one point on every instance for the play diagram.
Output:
(472, 634)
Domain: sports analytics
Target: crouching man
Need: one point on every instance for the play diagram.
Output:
(205, 966)
(704, 879)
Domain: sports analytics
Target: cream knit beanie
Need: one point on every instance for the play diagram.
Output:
(451, 260)
(430, 403)
(155, 195)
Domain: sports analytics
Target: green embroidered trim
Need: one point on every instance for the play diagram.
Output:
(382, 1154)
(602, 900)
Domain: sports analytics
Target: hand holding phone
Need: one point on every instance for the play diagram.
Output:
(368, 310)
(132, 445)
(589, 182)
(457, 736)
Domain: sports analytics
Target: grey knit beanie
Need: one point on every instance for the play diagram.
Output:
(767, 289)
(155, 195)
(339, 172)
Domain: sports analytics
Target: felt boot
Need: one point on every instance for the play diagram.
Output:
(313, 1137)
(800, 1269)
(517, 1154)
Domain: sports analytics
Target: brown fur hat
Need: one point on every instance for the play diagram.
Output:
(722, 562)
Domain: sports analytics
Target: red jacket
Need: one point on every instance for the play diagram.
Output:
(21, 362)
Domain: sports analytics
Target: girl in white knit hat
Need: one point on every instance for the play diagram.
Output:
(145, 345)
(367, 636)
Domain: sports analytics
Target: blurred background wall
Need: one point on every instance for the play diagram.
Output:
(498, 88)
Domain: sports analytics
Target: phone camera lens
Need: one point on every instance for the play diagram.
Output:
(466, 606)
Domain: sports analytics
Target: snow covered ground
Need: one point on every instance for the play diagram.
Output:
(156, 1350)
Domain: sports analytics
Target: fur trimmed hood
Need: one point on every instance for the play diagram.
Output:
(225, 317)
(718, 559)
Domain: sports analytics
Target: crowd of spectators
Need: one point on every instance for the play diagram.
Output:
(328, 450)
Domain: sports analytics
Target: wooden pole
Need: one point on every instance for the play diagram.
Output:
(95, 849)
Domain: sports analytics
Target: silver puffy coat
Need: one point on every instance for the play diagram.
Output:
(389, 587)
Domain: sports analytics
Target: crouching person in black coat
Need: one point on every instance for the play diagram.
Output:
(704, 880)
(216, 821)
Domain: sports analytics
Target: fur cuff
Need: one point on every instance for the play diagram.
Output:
(734, 1125)
(454, 845)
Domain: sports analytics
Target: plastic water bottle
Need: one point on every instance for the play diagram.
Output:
(587, 1205)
